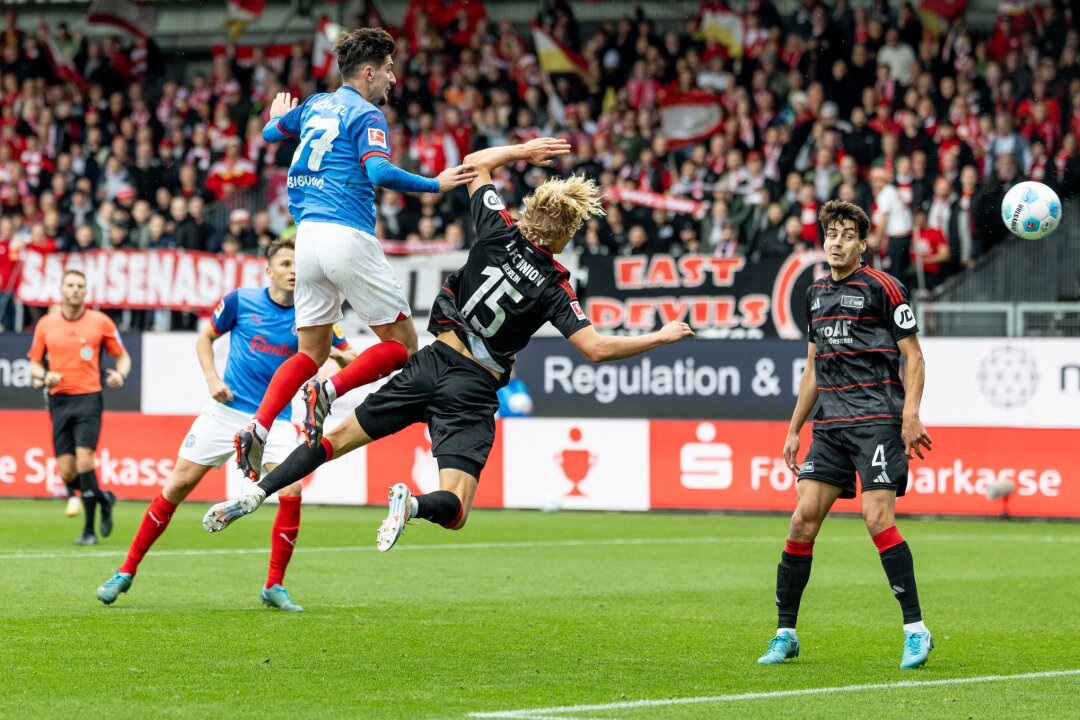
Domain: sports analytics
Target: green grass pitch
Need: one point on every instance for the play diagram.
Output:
(530, 612)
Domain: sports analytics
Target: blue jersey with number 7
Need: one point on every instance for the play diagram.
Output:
(338, 133)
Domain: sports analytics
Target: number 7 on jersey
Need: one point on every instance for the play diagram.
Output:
(318, 137)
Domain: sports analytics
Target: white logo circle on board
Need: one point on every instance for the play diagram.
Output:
(904, 317)
(493, 201)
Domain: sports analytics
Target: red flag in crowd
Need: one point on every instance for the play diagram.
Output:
(323, 58)
(136, 17)
(238, 13)
(937, 15)
(690, 117)
(62, 65)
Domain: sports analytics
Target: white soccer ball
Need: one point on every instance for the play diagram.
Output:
(1031, 210)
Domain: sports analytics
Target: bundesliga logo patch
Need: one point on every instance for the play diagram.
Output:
(576, 307)
(376, 138)
(852, 301)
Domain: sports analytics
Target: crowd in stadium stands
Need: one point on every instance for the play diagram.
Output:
(118, 150)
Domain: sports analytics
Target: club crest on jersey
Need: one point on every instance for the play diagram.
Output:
(376, 138)
(852, 301)
(493, 201)
(576, 307)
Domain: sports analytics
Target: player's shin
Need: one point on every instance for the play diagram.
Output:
(791, 577)
(288, 379)
(301, 462)
(900, 570)
(441, 507)
(283, 538)
(91, 494)
(153, 525)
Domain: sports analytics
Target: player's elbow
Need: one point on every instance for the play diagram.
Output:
(597, 352)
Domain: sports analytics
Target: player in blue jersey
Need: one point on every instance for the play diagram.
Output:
(344, 153)
(262, 335)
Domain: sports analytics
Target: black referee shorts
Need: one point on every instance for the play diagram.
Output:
(875, 451)
(76, 421)
(454, 395)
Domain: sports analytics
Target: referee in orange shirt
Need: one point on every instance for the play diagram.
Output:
(72, 340)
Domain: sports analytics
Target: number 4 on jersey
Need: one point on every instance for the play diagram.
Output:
(319, 135)
(493, 274)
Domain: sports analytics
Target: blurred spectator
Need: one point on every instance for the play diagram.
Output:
(818, 98)
(929, 252)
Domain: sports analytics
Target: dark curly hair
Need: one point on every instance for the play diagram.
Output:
(366, 46)
(839, 210)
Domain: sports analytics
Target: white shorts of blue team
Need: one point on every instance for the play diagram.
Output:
(335, 263)
(209, 442)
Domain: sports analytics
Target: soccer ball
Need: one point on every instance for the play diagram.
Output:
(1031, 210)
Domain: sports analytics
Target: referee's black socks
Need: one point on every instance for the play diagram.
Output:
(791, 577)
(88, 484)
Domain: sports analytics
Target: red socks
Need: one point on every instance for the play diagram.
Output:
(799, 548)
(888, 538)
(283, 538)
(153, 524)
(292, 374)
(376, 362)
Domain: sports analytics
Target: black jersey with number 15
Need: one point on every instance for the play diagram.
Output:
(507, 289)
(856, 323)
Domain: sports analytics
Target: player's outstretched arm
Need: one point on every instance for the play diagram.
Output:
(539, 151)
(600, 348)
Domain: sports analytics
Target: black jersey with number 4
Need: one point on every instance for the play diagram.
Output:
(856, 323)
(506, 291)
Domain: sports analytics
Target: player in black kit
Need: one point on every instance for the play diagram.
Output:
(485, 314)
(860, 324)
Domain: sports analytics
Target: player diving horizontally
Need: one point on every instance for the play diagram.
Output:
(487, 311)
(860, 324)
(344, 153)
(260, 323)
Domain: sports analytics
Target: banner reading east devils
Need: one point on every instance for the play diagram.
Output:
(141, 279)
(719, 297)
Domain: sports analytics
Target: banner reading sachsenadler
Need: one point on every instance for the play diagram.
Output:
(732, 298)
(170, 279)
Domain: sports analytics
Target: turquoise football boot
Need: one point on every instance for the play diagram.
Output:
(781, 647)
(278, 597)
(113, 587)
(917, 647)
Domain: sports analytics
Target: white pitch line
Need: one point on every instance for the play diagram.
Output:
(526, 544)
(549, 713)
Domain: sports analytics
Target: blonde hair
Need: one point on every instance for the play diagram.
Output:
(556, 209)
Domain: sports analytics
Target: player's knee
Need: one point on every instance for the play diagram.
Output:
(176, 489)
(804, 525)
(877, 519)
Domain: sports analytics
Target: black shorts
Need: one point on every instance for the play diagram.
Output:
(76, 421)
(875, 451)
(454, 395)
